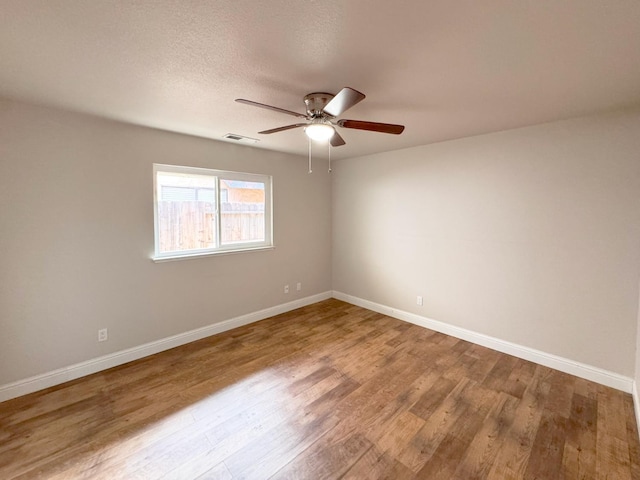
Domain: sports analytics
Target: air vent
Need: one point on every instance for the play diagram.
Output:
(240, 138)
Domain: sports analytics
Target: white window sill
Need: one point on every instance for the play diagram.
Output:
(189, 256)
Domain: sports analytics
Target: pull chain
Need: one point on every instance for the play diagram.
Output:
(329, 158)
(310, 170)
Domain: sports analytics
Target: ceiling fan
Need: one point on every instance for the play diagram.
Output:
(322, 110)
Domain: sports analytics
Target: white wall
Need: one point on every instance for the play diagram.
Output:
(76, 237)
(529, 235)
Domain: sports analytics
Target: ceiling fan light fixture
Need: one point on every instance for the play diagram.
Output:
(320, 132)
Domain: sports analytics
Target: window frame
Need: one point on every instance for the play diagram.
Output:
(220, 248)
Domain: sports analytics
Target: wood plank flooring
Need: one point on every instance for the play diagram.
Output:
(327, 391)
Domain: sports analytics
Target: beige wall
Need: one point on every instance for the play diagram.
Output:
(76, 237)
(529, 235)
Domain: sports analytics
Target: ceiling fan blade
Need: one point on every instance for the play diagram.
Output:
(337, 140)
(282, 129)
(269, 107)
(372, 126)
(344, 100)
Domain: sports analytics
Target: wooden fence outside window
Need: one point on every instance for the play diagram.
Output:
(192, 225)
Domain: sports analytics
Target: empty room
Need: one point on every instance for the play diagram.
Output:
(319, 239)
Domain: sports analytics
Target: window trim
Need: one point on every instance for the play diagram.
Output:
(240, 247)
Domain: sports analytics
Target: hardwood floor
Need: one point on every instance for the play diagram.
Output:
(326, 391)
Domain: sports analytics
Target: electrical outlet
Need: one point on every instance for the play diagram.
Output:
(103, 335)
(419, 300)
(299, 286)
(286, 289)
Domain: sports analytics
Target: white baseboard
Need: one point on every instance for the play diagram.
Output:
(636, 403)
(72, 372)
(595, 374)
(61, 375)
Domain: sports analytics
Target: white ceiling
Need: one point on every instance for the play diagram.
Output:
(444, 68)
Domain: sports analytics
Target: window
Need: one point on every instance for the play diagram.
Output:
(200, 211)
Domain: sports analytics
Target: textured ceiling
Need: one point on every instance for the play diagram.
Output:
(445, 69)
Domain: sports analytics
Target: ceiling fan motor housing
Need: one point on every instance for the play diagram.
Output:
(315, 102)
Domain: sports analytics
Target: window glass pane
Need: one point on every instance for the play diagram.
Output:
(242, 211)
(206, 195)
(177, 194)
(193, 217)
(185, 212)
